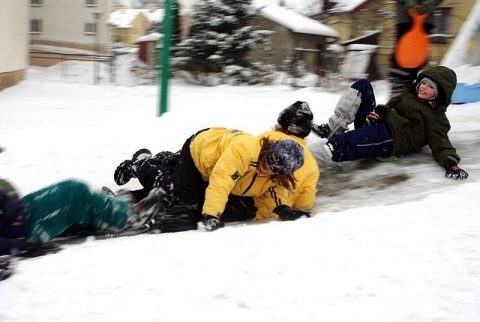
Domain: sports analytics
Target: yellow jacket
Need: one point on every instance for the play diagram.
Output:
(303, 197)
(227, 160)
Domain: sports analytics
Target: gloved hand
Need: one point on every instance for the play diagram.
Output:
(454, 171)
(372, 118)
(286, 213)
(212, 223)
(381, 111)
(322, 130)
(34, 249)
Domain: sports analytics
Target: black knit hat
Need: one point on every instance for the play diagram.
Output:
(297, 119)
(285, 156)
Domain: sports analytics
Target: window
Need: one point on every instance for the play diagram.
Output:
(91, 3)
(442, 20)
(90, 28)
(36, 26)
(36, 3)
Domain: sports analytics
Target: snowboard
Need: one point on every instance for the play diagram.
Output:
(412, 48)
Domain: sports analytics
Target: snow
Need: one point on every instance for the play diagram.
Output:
(386, 242)
(347, 5)
(124, 18)
(297, 22)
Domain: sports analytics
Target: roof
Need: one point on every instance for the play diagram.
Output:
(368, 37)
(154, 36)
(297, 22)
(123, 18)
(347, 5)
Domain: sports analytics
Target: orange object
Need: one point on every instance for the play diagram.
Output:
(413, 46)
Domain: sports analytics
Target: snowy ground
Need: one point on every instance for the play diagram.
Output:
(392, 242)
(388, 242)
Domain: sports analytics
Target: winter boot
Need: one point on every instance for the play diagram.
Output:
(138, 158)
(128, 168)
(322, 154)
(322, 130)
(123, 173)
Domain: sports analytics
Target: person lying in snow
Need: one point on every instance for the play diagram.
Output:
(12, 231)
(294, 122)
(66, 208)
(407, 123)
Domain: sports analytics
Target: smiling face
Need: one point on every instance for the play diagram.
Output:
(426, 91)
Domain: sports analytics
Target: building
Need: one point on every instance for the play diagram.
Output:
(14, 52)
(294, 35)
(128, 25)
(73, 24)
(358, 19)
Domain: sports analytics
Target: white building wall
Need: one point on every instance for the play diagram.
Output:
(13, 35)
(64, 21)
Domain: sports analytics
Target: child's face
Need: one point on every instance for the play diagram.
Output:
(426, 91)
(263, 169)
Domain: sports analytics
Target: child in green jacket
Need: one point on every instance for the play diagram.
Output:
(408, 122)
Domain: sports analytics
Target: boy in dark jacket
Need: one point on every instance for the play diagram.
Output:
(407, 123)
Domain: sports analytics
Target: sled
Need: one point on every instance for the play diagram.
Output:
(465, 93)
(392, 158)
(412, 48)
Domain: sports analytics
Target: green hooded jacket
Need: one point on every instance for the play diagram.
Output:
(416, 123)
(71, 207)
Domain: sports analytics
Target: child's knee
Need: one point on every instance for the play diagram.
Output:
(362, 85)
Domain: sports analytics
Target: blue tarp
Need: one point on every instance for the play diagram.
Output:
(464, 93)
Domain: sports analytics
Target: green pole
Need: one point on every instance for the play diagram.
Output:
(167, 35)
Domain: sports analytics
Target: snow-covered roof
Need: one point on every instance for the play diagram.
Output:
(123, 18)
(347, 5)
(154, 36)
(297, 22)
(365, 36)
(155, 16)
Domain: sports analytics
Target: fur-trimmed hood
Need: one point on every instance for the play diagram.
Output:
(446, 80)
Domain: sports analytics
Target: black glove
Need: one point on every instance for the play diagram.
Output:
(212, 223)
(34, 249)
(381, 111)
(322, 130)
(6, 266)
(286, 213)
(454, 171)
